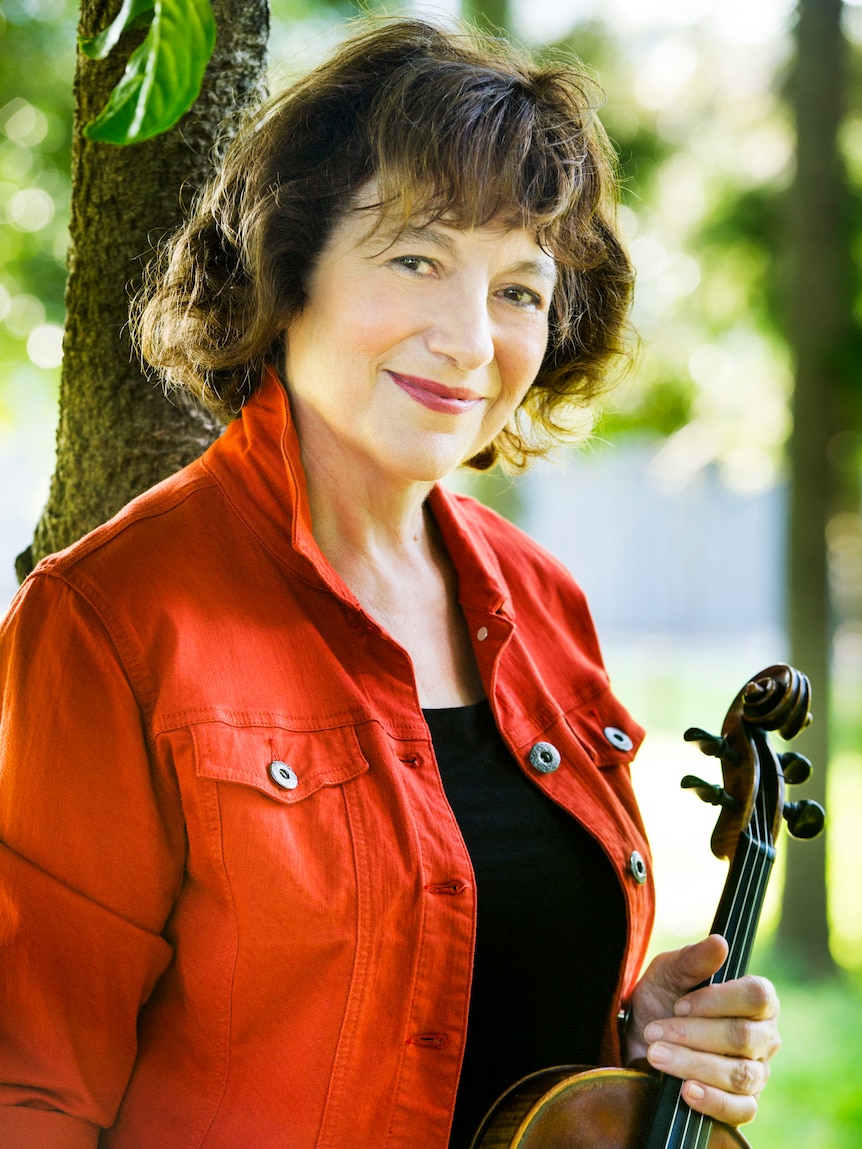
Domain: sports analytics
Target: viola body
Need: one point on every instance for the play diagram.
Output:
(575, 1107)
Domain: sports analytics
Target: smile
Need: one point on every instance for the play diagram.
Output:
(435, 396)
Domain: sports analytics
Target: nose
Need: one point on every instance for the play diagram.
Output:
(462, 329)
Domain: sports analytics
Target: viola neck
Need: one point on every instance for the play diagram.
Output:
(674, 1125)
(741, 904)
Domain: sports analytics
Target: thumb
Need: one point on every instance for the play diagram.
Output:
(681, 970)
(671, 975)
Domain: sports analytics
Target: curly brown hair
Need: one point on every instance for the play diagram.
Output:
(450, 124)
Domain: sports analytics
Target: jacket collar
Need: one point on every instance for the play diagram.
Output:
(257, 465)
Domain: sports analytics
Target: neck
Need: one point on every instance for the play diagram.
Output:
(357, 508)
(356, 519)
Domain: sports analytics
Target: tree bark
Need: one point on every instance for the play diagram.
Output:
(819, 315)
(118, 434)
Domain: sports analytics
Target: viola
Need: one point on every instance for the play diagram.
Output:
(574, 1107)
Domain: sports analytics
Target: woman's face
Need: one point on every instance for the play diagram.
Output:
(415, 346)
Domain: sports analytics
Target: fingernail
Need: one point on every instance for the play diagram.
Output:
(682, 1008)
(695, 1092)
(659, 1055)
(653, 1032)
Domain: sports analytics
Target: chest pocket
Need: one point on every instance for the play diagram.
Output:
(276, 836)
(287, 766)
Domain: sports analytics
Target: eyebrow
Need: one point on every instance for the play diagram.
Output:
(543, 269)
(420, 234)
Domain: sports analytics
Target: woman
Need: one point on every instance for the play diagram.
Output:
(241, 898)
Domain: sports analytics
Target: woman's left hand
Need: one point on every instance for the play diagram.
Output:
(719, 1039)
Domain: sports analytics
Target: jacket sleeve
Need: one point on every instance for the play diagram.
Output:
(91, 858)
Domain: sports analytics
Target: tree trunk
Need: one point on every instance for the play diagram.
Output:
(819, 320)
(117, 433)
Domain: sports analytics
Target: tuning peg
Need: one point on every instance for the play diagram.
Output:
(712, 795)
(795, 767)
(805, 819)
(712, 744)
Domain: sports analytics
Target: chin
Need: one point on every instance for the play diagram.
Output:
(419, 472)
(431, 461)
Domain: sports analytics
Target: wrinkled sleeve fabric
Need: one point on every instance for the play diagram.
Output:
(91, 857)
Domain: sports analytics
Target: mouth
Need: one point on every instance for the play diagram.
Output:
(436, 396)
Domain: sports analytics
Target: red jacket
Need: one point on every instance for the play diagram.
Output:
(236, 907)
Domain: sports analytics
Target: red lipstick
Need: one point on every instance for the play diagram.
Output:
(436, 396)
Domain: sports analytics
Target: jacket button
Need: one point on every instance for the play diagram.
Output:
(544, 757)
(637, 867)
(283, 775)
(618, 738)
(482, 633)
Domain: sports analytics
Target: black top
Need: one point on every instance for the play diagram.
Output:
(551, 918)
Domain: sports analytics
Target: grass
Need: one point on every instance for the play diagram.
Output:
(814, 1098)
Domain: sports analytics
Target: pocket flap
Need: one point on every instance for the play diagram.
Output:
(606, 730)
(286, 765)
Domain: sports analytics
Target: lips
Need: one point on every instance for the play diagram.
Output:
(437, 396)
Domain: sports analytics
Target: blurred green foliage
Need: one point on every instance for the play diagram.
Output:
(706, 153)
(814, 1100)
(37, 56)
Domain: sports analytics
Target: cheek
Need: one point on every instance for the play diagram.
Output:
(519, 365)
(379, 324)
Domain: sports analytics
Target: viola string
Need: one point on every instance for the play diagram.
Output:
(696, 1128)
(741, 926)
(763, 854)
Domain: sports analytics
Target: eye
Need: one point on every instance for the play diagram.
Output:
(416, 264)
(522, 297)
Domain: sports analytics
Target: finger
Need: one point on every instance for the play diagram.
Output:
(742, 1076)
(729, 1108)
(744, 997)
(726, 1036)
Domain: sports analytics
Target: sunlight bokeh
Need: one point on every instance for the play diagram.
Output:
(696, 108)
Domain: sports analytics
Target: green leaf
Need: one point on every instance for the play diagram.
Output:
(163, 76)
(133, 14)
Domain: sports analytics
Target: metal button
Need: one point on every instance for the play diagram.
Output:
(482, 633)
(637, 867)
(618, 738)
(544, 757)
(283, 775)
